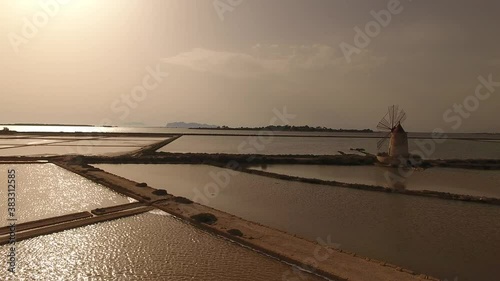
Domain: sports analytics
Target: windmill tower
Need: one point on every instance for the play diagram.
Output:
(398, 145)
(397, 136)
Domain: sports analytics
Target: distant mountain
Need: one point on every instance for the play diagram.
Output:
(190, 125)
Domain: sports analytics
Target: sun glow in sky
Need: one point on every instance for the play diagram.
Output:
(86, 61)
(25, 4)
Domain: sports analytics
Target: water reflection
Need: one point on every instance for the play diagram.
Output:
(442, 238)
(459, 181)
(46, 190)
(451, 149)
(143, 247)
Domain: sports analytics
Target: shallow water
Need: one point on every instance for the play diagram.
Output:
(149, 246)
(22, 141)
(46, 190)
(276, 145)
(459, 181)
(62, 150)
(442, 238)
(141, 139)
(428, 149)
(112, 141)
(72, 145)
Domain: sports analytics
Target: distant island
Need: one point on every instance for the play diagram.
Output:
(285, 128)
(191, 125)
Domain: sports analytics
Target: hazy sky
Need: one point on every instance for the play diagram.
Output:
(232, 61)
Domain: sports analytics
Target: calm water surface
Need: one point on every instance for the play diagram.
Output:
(47, 150)
(71, 145)
(46, 190)
(459, 181)
(460, 149)
(150, 246)
(443, 238)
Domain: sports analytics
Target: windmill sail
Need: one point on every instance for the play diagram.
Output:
(384, 124)
(381, 142)
(391, 120)
(401, 117)
(394, 111)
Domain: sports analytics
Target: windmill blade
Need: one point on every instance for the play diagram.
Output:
(391, 115)
(384, 124)
(401, 117)
(381, 142)
(395, 115)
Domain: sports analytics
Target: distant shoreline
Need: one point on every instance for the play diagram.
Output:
(288, 129)
(55, 125)
(224, 128)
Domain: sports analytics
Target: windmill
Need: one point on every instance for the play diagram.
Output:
(398, 138)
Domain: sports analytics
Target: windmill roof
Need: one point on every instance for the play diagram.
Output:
(398, 129)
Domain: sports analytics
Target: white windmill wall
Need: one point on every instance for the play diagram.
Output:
(398, 145)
